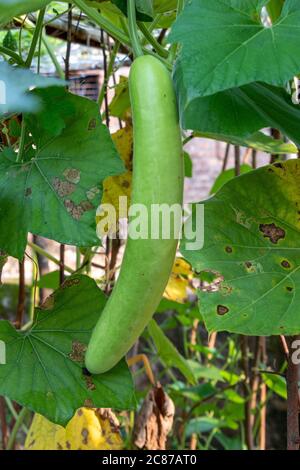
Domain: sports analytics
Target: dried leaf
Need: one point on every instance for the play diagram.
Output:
(155, 420)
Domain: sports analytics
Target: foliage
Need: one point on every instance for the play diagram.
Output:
(235, 68)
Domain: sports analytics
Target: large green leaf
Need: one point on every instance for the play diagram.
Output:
(226, 176)
(55, 192)
(252, 241)
(11, 8)
(44, 365)
(14, 86)
(248, 109)
(224, 45)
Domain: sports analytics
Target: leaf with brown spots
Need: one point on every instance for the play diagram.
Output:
(56, 190)
(89, 429)
(51, 355)
(252, 238)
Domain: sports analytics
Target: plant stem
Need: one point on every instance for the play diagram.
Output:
(36, 35)
(3, 422)
(52, 56)
(29, 26)
(22, 142)
(151, 39)
(108, 73)
(174, 47)
(22, 415)
(292, 377)
(21, 295)
(133, 32)
(43, 252)
(13, 55)
(95, 16)
(11, 408)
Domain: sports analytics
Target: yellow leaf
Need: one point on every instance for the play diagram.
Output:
(120, 104)
(179, 282)
(182, 267)
(116, 186)
(89, 429)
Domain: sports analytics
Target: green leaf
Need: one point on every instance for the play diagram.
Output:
(14, 86)
(188, 165)
(230, 443)
(10, 41)
(222, 43)
(49, 280)
(168, 353)
(257, 141)
(120, 104)
(226, 176)
(206, 372)
(164, 6)
(44, 365)
(203, 424)
(11, 8)
(252, 238)
(276, 383)
(57, 189)
(196, 393)
(252, 107)
(144, 9)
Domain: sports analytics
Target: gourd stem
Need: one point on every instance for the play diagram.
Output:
(105, 24)
(174, 47)
(133, 32)
(13, 55)
(36, 35)
(151, 39)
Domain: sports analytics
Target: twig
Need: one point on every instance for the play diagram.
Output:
(61, 263)
(108, 71)
(226, 156)
(143, 358)
(103, 92)
(248, 409)
(3, 422)
(237, 159)
(11, 441)
(263, 400)
(292, 377)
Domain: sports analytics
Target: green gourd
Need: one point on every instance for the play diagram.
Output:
(157, 179)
